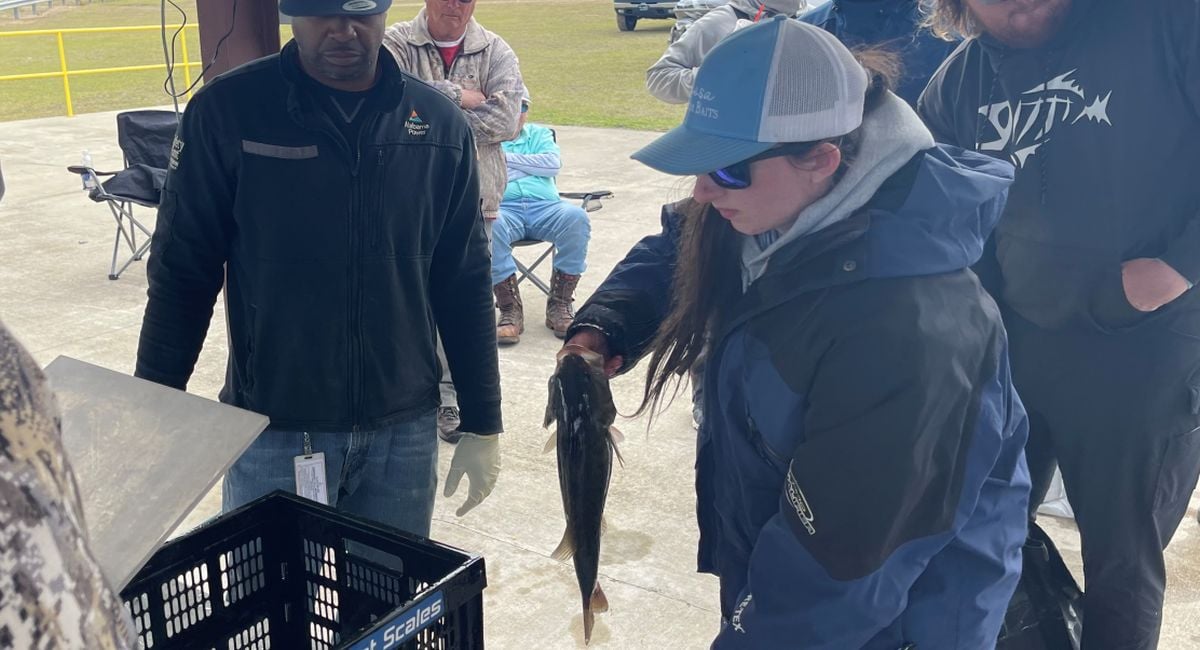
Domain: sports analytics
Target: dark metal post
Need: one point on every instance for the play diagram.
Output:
(252, 34)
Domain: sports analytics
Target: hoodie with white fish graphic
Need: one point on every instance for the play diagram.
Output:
(1103, 124)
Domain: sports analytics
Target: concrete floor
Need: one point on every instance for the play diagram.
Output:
(55, 247)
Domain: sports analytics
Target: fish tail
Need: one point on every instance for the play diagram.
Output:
(589, 619)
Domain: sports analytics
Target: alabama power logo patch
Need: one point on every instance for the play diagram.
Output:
(415, 126)
(1023, 127)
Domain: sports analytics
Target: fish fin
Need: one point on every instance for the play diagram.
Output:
(551, 443)
(617, 453)
(616, 434)
(565, 549)
(589, 620)
(599, 602)
(549, 417)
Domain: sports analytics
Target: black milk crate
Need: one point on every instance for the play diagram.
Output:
(287, 573)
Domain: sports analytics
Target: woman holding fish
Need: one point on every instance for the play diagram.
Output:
(860, 475)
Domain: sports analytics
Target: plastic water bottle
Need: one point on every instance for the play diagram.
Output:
(89, 179)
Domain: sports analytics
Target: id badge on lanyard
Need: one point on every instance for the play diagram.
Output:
(310, 474)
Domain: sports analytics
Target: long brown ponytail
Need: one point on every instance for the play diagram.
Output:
(707, 280)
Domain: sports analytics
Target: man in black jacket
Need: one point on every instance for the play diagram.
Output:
(336, 199)
(1097, 103)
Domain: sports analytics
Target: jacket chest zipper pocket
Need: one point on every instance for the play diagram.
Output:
(377, 185)
(764, 450)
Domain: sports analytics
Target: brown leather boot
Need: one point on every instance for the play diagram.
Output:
(559, 312)
(512, 314)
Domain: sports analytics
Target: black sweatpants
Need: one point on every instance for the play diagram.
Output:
(1119, 411)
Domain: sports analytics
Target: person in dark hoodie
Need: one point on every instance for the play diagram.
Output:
(894, 24)
(860, 472)
(1097, 103)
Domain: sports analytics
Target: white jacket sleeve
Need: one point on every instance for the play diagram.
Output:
(670, 78)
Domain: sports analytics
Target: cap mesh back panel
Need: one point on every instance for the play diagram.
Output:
(803, 88)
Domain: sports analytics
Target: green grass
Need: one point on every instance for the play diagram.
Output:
(579, 68)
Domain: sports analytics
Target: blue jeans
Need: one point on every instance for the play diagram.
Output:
(563, 224)
(388, 475)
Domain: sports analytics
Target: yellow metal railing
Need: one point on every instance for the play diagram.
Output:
(66, 73)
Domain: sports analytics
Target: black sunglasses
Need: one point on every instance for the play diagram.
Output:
(737, 175)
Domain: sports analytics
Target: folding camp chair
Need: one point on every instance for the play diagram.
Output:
(145, 139)
(591, 203)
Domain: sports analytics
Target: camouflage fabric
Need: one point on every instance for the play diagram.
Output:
(52, 593)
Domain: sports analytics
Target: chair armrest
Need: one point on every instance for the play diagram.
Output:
(595, 194)
(80, 169)
(588, 197)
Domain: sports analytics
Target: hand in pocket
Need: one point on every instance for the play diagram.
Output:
(1151, 283)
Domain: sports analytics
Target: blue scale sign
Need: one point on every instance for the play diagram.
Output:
(404, 626)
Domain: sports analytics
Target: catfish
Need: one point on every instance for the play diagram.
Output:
(581, 404)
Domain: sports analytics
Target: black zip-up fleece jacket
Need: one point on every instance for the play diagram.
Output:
(337, 258)
(1103, 124)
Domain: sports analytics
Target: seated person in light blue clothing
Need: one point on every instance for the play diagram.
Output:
(531, 209)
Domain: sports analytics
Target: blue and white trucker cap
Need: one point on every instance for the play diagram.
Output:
(774, 82)
(333, 7)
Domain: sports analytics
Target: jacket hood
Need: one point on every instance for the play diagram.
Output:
(890, 135)
(939, 222)
(932, 216)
